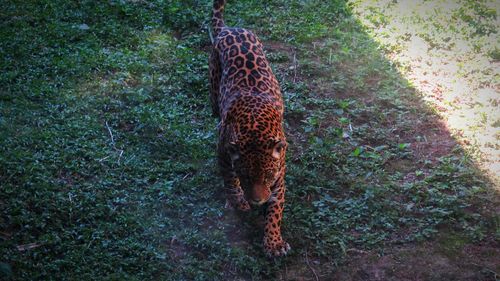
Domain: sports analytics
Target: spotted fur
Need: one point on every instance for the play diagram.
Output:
(246, 97)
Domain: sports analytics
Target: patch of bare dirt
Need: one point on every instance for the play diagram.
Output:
(434, 140)
(276, 46)
(237, 235)
(428, 261)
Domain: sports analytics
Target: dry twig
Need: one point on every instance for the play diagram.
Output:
(110, 134)
(310, 267)
(113, 144)
(295, 66)
(29, 246)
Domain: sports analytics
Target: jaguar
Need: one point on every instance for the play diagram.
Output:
(246, 97)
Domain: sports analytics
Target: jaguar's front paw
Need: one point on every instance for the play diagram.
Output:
(276, 249)
(240, 205)
(243, 206)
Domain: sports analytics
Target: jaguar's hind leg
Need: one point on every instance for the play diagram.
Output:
(215, 76)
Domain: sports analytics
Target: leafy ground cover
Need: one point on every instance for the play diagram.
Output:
(107, 149)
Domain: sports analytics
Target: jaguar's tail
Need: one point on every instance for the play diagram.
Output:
(217, 16)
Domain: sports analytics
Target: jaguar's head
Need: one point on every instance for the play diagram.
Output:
(258, 166)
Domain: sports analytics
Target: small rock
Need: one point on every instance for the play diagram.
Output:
(83, 26)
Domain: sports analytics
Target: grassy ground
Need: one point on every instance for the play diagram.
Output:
(107, 151)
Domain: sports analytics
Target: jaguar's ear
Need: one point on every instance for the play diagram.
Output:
(278, 148)
(233, 150)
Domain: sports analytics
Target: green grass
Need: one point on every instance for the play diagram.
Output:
(107, 146)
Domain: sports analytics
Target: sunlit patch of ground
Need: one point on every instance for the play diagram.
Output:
(451, 59)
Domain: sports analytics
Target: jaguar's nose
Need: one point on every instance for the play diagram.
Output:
(260, 194)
